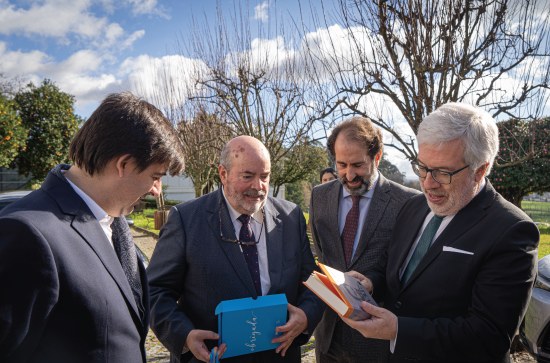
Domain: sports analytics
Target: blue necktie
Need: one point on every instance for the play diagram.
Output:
(422, 246)
(250, 252)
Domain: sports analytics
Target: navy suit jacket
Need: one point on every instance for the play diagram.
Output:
(64, 296)
(192, 270)
(466, 298)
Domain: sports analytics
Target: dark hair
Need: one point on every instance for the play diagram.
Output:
(327, 170)
(360, 130)
(125, 124)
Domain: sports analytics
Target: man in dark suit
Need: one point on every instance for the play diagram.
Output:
(199, 260)
(356, 146)
(461, 263)
(73, 289)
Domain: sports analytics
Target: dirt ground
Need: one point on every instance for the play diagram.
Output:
(158, 354)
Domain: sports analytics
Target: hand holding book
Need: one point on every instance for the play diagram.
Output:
(342, 292)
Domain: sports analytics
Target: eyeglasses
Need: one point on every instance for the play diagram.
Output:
(440, 176)
(236, 241)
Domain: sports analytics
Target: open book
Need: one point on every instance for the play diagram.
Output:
(343, 293)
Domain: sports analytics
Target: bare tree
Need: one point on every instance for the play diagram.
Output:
(203, 138)
(257, 88)
(393, 60)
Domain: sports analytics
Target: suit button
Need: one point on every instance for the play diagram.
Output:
(397, 305)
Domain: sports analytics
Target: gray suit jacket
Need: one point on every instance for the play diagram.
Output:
(387, 200)
(64, 296)
(192, 270)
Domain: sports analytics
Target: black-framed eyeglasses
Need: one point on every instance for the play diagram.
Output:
(440, 176)
(236, 241)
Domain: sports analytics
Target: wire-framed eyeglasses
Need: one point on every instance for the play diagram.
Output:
(440, 176)
(236, 241)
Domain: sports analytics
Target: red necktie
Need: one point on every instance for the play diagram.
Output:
(350, 229)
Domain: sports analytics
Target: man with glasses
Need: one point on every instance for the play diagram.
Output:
(461, 263)
(233, 243)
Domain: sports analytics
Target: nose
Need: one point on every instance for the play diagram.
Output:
(429, 182)
(156, 189)
(350, 174)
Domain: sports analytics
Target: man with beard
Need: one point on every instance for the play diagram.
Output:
(351, 222)
(201, 259)
(461, 263)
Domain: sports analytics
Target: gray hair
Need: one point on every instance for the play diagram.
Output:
(475, 127)
(225, 158)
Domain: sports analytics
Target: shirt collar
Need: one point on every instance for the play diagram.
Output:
(97, 211)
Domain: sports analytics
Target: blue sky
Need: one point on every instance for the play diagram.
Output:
(86, 46)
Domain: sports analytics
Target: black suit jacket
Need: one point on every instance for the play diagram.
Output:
(466, 298)
(388, 198)
(192, 270)
(64, 296)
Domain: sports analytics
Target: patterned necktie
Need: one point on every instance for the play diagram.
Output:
(127, 255)
(422, 247)
(250, 252)
(350, 229)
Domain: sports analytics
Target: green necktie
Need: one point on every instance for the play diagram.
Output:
(422, 246)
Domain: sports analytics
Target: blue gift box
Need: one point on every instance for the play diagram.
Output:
(248, 325)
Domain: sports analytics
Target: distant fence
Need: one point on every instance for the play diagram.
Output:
(538, 211)
(11, 180)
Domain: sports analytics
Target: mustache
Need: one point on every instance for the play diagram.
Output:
(255, 193)
(357, 178)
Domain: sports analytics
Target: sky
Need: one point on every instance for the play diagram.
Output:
(90, 48)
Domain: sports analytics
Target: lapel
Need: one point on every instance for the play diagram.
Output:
(218, 216)
(86, 225)
(274, 244)
(373, 217)
(336, 249)
(464, 220)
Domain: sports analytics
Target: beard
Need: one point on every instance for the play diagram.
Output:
(364, 187)
(456, 199)
(246, 206)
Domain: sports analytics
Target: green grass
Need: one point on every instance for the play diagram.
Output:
(538, 211)
(544, 244)
(145, 219)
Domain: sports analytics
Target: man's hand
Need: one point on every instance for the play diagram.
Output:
(365, 281)
(381, 325)
(296, 325)
(195, 343)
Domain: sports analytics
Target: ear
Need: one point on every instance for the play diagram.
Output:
(480, 172)
(377, 158)
(123, 164)
(222, 171)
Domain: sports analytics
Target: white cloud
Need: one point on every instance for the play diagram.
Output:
(261, 12)
(141, 7)
(17, 63)
(46, 19)
(68, 21)
(166, 82)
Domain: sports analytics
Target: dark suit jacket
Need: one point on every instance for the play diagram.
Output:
(192, 270)
(462, 307)
(388, 198)
(64, 296)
